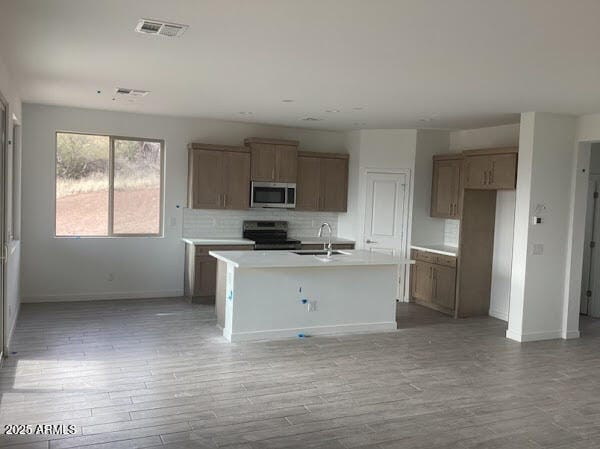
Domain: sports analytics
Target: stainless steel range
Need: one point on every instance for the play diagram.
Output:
(269, 235)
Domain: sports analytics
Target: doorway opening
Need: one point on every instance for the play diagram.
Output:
(590, 279)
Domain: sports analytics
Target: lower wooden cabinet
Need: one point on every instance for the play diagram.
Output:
(201, 270)
(433, 281)
(444, 286)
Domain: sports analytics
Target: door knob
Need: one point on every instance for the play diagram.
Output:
(371, 241)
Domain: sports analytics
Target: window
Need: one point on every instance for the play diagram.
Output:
(108, 186)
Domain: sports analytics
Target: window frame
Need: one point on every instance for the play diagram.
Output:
(111, 192)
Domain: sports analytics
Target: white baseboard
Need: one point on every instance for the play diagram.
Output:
(571, 334)
(278, 334)
(534, 336)
(499, 314)
(102, 296)
(14, 325)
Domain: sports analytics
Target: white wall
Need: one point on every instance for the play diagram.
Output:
(494, 137)
(427, 229)
(490, 137)
(67, 269)
(544, 178)
(376, 149)
(348, 223)
(12, 294)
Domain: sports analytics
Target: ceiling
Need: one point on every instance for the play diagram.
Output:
(381, 64)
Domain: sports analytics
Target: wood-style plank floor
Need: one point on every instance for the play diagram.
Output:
(156, 373)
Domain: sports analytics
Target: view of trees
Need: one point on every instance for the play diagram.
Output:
(83, 180)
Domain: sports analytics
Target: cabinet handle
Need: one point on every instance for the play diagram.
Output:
(225, 199)
(219, 202)
(485, 177)
(491, 176)
(273, 173)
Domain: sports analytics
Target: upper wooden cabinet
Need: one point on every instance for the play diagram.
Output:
(445, 189)
(273, 160)
(491, 169)
(219, 177)
(322, 183)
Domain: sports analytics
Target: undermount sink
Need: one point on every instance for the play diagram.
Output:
(320, 253)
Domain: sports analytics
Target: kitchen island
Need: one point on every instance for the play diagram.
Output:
(278, 294)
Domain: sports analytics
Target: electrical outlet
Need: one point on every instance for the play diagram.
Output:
(537, 249)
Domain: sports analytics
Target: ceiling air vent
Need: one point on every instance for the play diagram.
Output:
(159, 28)
(124, 92)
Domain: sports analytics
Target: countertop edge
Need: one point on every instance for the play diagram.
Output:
(435, 250)
(242, 241)
(276, 265)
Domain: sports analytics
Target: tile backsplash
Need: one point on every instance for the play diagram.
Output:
(228, 223)
(451, 232)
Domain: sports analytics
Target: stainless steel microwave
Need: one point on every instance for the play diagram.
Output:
(273, 194)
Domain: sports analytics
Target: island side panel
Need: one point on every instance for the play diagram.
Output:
(229, 298)
(267, 303)
(221, 293)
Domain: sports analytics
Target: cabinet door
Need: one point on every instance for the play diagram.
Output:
(445, 191)
(504, 171)
(205, 282)
(334, 185)
(263, 162)
(422, 281)
(308, 184)
(238, 180)
(477, 172)
(444, 286)
(286, 163)
(208, 173)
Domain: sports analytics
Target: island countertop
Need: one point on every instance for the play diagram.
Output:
(288, 259)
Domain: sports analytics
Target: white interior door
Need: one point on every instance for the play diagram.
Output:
(386, 215)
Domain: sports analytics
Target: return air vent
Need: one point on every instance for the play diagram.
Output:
(124, 92)
(159, 28)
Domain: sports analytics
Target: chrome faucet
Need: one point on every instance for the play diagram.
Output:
(327, 245)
